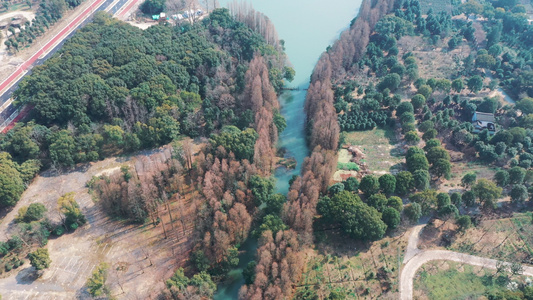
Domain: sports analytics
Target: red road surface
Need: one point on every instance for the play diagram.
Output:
(21, 115)
(48, 46)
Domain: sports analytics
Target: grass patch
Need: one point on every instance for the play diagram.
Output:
(449, 280)
(379, 147)
(356, 269)
(506, 239)
(349, 166)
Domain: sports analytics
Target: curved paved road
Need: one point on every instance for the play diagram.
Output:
(415, 258)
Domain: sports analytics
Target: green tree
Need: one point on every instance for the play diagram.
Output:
(40, 259)
(241, 143)
(404, 182)
(429, 135)
(357, 219)
(475, 83)
(456, 199)
(200, 260)
(387, 182)
(436, 153)
(464, 222)
(421, 179)
(153, 7)
(426, 199)
(351, 184)
(289, 73)
(519, 193)
(469, 179)
(426, 125)
(33, 212)
(517, 175)
(96, 283)
(487, 192)
(403, 108)
(336, 295)
(525, 105)
(248, 273)
(262, 188)
(458, 85)
(413, 211)
(390, 81)
(272, 223)
(71, 211)
(11, 182)
(502, 178)
(485, 61)
(396, 203)
(412, 138)
(442, 168)
(114, 135)
(391, 217)
(62, 148)
(20, 144)
(369, 185)
(274, 204)
(468, 198)
(417, 162)
(431, 144)
(280, 122)
(425, 90)
(377, 201)
(336, 188)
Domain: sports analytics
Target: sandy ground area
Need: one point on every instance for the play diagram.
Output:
(140, 257)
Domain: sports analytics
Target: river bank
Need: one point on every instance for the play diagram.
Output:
(305, 39)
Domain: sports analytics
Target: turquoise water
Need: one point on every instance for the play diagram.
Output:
(308, 27)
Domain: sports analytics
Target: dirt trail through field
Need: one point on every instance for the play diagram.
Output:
(415, 258)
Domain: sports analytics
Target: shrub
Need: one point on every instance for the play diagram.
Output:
(349, 166)
(33, 212)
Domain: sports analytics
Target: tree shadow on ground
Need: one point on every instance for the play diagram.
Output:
(27, 275)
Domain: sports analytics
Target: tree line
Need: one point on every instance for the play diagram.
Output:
(323, 137)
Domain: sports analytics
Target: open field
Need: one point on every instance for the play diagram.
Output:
(140, 257)
(382, 154)
(443, 280)
(361, 271)
(461, 168)
(507, 239)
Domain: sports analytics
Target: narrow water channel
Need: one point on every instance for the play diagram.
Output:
(308, 27)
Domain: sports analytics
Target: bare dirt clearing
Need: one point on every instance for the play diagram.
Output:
(139, 256)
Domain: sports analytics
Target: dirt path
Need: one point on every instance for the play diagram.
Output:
(412, 244)
(25, 13)
(415, 258)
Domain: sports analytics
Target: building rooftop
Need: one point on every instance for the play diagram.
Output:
(484, 117)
